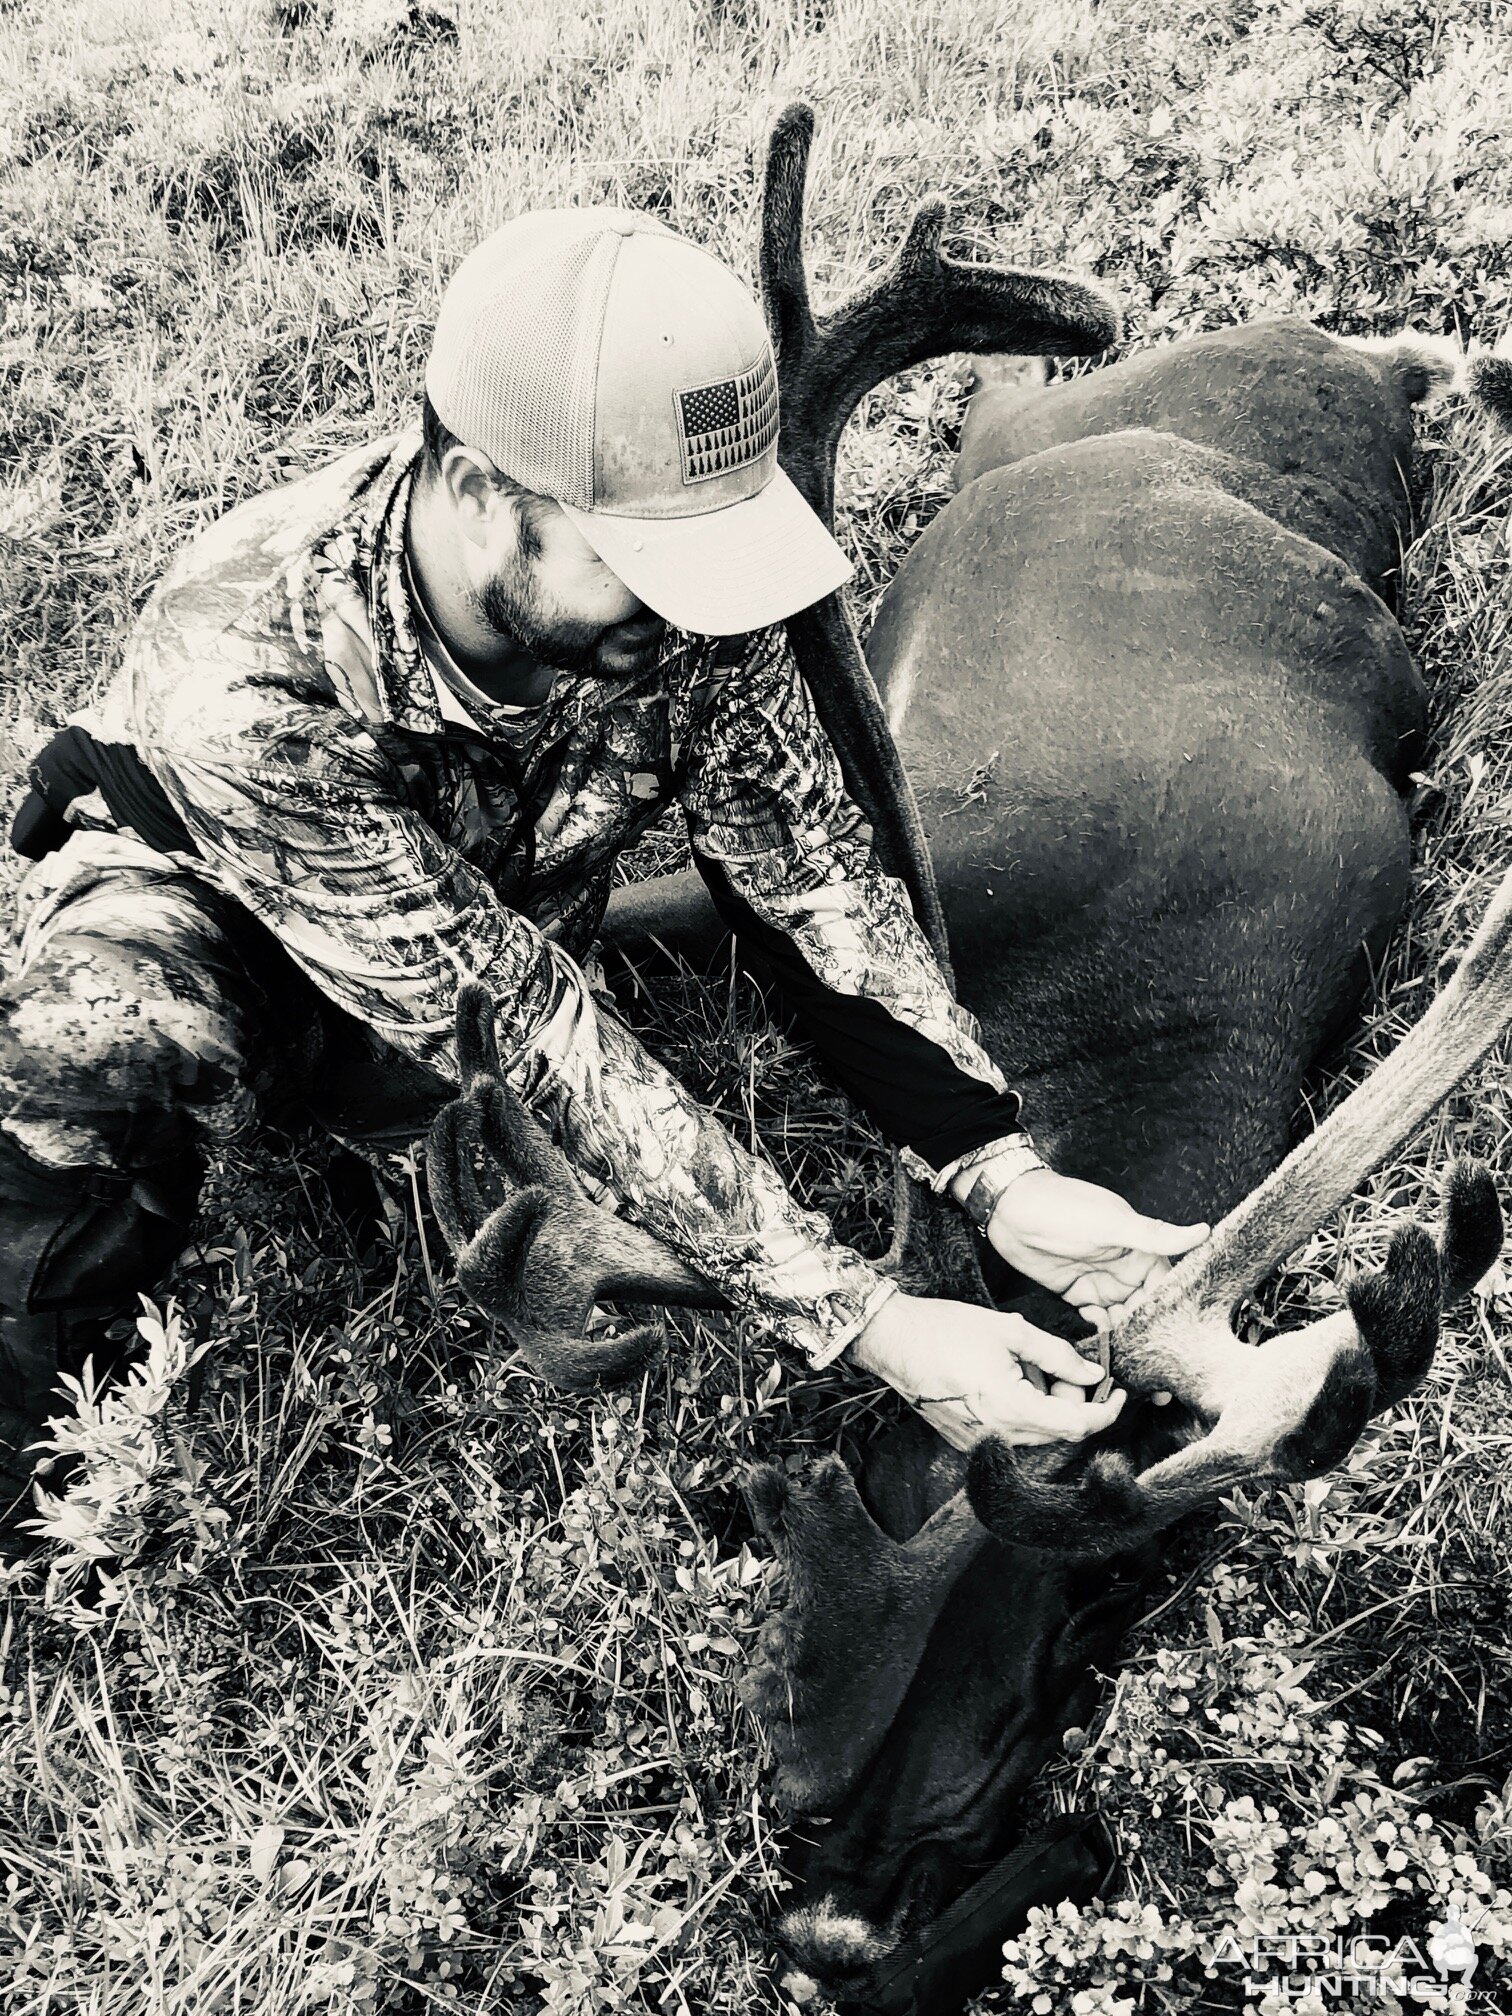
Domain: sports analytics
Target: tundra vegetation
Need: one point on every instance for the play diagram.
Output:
(359, 1670)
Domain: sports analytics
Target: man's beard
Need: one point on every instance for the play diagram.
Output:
(510, 605)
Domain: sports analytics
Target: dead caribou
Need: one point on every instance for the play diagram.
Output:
(1151, 722)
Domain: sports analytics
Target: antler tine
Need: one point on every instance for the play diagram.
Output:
(1466, 1018)
(519, 1145)
(784, 279)
(1470, 1238)
(1291, 1409)
(1107, 1507)
(1397, 1308)
(475, 1156)
(605, 1256)
(530, 1247)
(477, 1039)
(921, 305)
(451, 1175)
(822, 638)
(1396, 1311)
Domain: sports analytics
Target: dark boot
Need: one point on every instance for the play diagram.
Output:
(31, 1352)
(76, 1247)
(34, 1351)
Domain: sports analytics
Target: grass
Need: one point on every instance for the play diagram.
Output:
(405, 1682)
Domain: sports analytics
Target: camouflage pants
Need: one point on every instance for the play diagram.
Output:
(146, 1017)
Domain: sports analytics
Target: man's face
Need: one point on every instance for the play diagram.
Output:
(542, 584)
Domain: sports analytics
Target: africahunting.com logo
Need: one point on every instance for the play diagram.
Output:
(1300, 1970)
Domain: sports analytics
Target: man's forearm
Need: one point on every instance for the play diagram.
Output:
(786, 855)
(388, 920)
(916, 1091)
(641, 1141)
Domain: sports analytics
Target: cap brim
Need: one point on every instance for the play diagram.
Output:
(732, 570)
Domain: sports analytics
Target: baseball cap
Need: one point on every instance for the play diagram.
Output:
(598, 358)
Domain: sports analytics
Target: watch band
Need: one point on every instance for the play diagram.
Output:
(998, 1173)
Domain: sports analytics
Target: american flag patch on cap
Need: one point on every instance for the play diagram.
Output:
(729, 424)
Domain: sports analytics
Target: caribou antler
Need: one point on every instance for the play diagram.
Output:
(530, 1247)
(835, 1664)
(1292, 1408)
(922, 305)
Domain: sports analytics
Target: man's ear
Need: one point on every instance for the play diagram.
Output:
(471, 482)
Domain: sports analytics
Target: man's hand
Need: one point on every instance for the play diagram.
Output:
(963, 1368)
(1084, 1242)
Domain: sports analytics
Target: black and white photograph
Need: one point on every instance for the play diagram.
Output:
(755, 976)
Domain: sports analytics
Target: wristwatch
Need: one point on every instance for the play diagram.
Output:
(998, 1164)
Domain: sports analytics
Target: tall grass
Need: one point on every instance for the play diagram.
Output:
(361, 1671)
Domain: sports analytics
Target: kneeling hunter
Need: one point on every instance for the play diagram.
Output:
(385, 730)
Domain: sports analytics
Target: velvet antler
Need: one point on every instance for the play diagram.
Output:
(1293, 1407)
(921, 305)
(530, 1247)
(835, 1662)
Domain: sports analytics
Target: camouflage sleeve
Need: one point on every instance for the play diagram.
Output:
(767, 805)
(300, 816)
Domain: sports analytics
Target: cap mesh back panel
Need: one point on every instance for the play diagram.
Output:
(519, 365)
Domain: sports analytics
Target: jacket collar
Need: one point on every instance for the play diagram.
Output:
(408, 688)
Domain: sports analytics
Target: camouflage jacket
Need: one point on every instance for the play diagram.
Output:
(278, 688)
